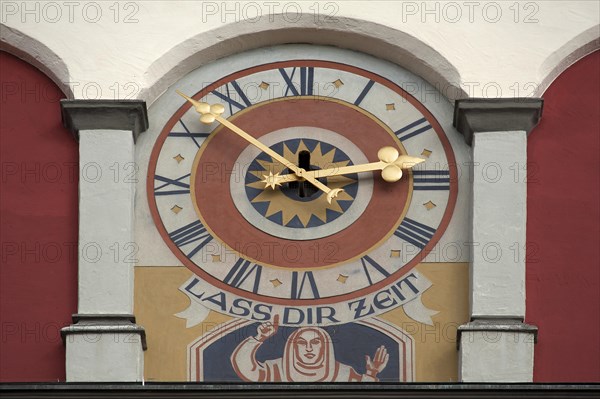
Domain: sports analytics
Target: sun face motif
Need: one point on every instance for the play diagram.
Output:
(280, 204)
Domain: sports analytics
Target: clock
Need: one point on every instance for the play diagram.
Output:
(337, 241)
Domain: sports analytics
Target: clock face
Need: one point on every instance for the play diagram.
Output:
(259, 251)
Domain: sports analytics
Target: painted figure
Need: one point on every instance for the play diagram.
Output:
(308, 356)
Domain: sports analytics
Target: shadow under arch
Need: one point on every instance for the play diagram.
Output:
(354, 34)
(36, 53)
(572, 51)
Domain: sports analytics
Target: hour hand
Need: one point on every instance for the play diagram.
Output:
(390, 163)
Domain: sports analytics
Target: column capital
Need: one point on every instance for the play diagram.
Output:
(496, 115)
(130, 115)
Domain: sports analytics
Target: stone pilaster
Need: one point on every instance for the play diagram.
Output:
(496, 346)
(104, 343)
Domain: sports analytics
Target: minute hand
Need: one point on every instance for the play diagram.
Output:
(211, 113)
(299, 173)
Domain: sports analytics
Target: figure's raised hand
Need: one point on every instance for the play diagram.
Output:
(267, 330)
(378, 363)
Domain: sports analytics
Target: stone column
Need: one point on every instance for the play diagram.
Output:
(104, 343)
(496, 346)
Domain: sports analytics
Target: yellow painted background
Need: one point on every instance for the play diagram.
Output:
(158, 299)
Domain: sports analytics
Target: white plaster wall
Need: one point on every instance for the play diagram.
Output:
(104, 357)
(136, 49)
(496, 356)
(107, 251)
(499, 224)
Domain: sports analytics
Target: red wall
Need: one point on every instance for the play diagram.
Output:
(38, 209)
(563, 203)
(38, 230)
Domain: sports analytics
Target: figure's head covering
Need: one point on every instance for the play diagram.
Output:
(297, 370)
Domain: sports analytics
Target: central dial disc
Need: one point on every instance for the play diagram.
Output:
(298, 209)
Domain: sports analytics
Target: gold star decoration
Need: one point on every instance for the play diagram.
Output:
(338, 83)
(279, 202)
(429, 205)
(176, 209)
(390, 107)
(276, 283)
(264, 85)
(216, 258)
(426, 153)
(271, 180)
(395, 253)
(342, 279)
(178, 158)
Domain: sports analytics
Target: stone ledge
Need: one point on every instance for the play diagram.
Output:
(130, 115)
(498, 325)
(168, 390)
(104, 324)
(496, 115)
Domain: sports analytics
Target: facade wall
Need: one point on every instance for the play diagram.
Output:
(562, 228)
(494, 49)
(38, 273)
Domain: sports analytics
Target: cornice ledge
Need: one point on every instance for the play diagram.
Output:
(128, 115)
(475, 115)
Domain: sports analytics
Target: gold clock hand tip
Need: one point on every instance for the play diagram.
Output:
(182, 95)
(201, 107)
(391, 173)
(387, 154)
(333, 193)
(407, 162)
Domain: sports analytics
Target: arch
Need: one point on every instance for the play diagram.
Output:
(354, 34)
(569, 53)
(36, 53)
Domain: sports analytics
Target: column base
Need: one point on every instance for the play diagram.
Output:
(496, 350)
(104, 348)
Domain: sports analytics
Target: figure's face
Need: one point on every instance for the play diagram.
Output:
(309, 347)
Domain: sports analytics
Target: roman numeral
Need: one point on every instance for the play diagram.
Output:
(364, 93)
(308, 280)
(165, 189)
(189, 134)
(414, 232)
(189, 234)
(413, 129)
(307, 78)
(244, 270)
(431, 179)
(368, 262)
(233, 103)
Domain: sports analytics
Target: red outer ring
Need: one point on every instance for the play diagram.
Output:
(306, 302)
(214, 200)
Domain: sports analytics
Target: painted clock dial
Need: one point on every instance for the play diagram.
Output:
(259, 251)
